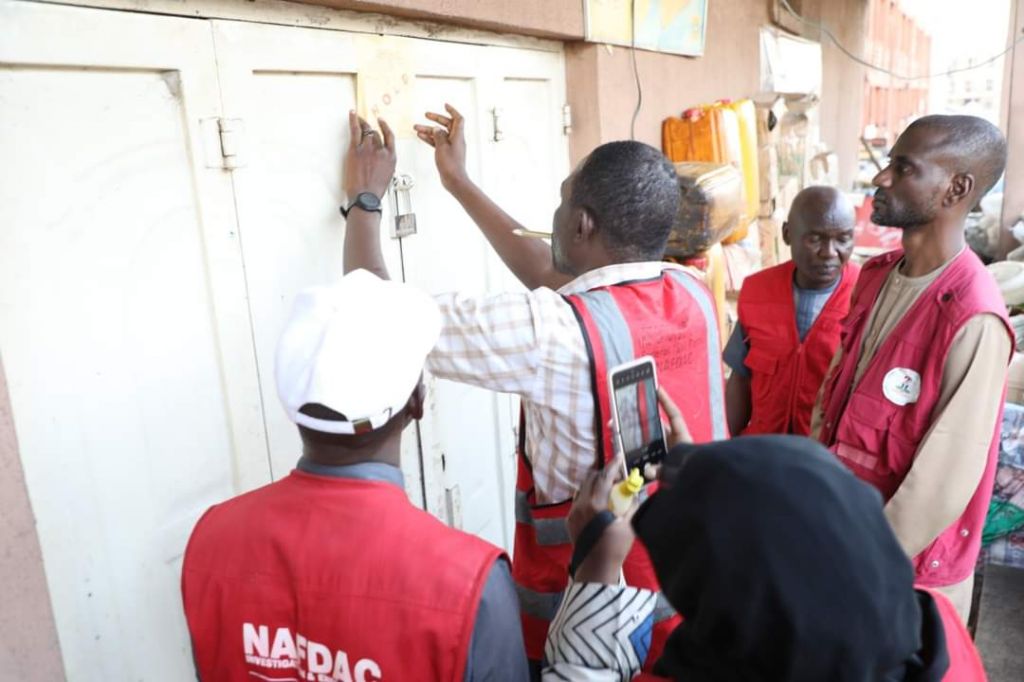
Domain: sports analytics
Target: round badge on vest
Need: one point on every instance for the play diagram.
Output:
(902, 386)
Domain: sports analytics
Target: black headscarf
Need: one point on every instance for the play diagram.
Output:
(784, 569)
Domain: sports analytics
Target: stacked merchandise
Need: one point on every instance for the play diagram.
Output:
(715, 148)
(711, 208)
(722, 133)
(769, 115)
(1003, 535)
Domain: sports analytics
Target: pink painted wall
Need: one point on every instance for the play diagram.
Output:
(547, 18)
(29, 649)
(599, 79)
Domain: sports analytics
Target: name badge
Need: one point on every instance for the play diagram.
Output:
(902, 386)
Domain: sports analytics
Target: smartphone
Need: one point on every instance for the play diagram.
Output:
(633, 387)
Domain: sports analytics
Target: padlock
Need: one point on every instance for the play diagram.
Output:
(401, 202)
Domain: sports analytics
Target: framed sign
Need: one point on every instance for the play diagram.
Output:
(673, 26)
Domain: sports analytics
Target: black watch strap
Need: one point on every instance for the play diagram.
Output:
(364, 200)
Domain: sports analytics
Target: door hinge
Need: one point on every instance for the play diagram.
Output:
(223, 142)
(566, 119)
(497, 115)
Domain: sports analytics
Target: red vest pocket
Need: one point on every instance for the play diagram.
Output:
(761, 362)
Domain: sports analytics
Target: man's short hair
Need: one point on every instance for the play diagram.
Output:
(978, 147)
(632, 192)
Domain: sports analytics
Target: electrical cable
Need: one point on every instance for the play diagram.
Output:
(821, 27)
(636, 70)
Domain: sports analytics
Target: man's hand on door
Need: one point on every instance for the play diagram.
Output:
(370, 159)
(449, 143)
(369, 166)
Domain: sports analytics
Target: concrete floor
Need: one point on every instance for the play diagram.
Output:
(1000, 635)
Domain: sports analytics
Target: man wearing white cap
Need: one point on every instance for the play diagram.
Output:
(330, 573)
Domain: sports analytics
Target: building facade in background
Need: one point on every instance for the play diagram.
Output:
(895, 42)
(975, 91)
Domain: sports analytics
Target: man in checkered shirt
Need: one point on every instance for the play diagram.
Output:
(611, 228)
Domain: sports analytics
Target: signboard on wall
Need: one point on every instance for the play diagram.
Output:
(788, 63)
(673, 26)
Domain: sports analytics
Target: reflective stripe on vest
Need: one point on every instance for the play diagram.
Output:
(617, 340)
(671, 317)
(716, 381)
(550, 531)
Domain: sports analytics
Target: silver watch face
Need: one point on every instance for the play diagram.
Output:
(368, 201)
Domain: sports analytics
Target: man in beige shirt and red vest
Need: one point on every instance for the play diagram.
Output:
(914, 400)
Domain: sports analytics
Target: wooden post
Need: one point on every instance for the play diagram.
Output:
(1013, 197)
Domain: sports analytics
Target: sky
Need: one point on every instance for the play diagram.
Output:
(977, 29)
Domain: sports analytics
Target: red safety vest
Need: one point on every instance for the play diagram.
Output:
(672, 318)
(322, 578)
(875, 426)
(786, 374)
(964, 661)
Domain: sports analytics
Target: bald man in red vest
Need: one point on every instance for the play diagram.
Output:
(790, 318)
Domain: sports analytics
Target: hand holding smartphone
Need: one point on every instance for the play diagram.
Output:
(636, 421)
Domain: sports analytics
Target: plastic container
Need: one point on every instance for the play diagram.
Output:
(621, 498)
(690, 138)
(724, 133)
(746, 115)
(710, 208)
(726, 126)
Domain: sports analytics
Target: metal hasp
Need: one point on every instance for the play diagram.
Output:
(401, 202)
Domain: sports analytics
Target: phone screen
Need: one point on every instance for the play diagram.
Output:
(636, 410)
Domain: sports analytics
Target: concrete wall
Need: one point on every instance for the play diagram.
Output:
(730, 68)
(28, 637)
(600, 81)
(547, 18)
(842, 96)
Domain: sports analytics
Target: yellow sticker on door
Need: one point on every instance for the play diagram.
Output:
(384, 84)
(902, 386)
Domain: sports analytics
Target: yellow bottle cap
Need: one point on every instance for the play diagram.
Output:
(633, 484)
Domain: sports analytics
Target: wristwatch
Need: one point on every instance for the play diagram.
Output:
(368, 201)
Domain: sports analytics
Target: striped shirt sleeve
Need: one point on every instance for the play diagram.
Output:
(600, 633)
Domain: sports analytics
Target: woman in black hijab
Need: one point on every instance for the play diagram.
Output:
(784, 569)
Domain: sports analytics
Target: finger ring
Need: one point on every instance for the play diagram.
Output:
(367, 132)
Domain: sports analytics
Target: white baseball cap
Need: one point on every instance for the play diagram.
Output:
(356, 347)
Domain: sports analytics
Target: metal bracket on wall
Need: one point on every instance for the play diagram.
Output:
(566, 119)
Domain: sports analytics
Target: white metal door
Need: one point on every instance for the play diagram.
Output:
(473, 431)
(294, 101)
(123, 320)
(143, 286)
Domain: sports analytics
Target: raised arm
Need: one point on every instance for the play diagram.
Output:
(528, 258)
(369, 165)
